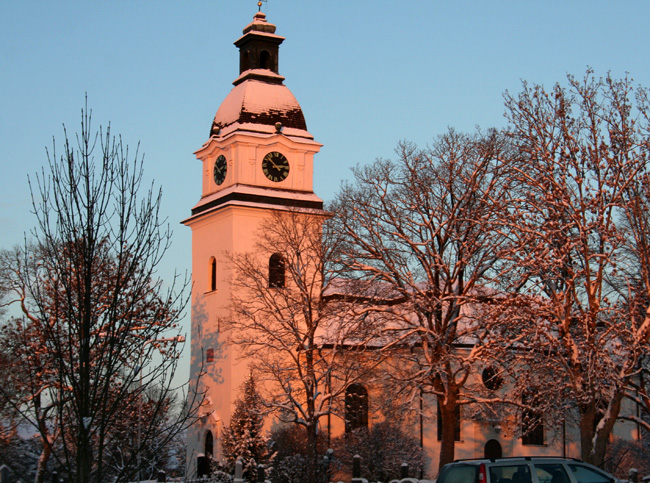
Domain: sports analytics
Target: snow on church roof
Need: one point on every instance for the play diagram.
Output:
(389, 312)
(255, 105)
(259, 102)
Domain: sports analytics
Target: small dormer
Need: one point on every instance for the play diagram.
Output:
(259, 46)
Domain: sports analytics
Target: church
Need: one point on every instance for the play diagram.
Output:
(259, 160)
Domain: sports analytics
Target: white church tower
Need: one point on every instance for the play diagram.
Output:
(259, 158)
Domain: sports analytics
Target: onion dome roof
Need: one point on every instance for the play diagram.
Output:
(259, 102)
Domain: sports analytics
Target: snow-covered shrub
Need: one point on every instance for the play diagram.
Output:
(290, 469)
(219, 474)
(623, 455)
(383, 448)
(289, 442)
(20, 455)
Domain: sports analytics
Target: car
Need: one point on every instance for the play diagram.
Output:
(529, 469)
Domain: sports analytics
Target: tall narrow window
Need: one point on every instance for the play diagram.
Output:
(456, 428)
(276, 271)
(209, 444)
(356, 407)
(213, 275)
(532, 423)
(244, 62)
(209, 355)
(265, 60)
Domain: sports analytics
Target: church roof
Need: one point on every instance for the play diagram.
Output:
(260, 102)
(256, 105)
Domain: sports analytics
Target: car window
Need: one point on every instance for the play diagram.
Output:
(584, 474)
(459, 474)
(510, 474)
(551, 473)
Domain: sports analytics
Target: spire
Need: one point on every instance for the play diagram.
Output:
(259, 102)
(259, 51)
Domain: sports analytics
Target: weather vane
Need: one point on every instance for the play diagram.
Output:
(259, 5)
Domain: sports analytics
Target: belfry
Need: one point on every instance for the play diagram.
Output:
(258, 159)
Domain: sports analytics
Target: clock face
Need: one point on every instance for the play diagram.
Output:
(275, 166)
(220, 169)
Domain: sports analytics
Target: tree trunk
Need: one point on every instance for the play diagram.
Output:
(46, 440)
(448, 423)
(601, 435)
(312, 453)
(84, 457)
(84, 462)
(587, 418)
(42, 463)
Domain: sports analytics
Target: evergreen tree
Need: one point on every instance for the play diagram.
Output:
(244, 438)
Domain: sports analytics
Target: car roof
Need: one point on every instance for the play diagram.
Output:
(516, 458)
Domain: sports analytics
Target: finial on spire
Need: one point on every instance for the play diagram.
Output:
(259, 5)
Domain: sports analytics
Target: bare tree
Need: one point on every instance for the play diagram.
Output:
(634, 286)
(125, 438)
(29, 388)
(421, 233)
(577, 151)
(298, 337)
(93, 311)
(9, 415)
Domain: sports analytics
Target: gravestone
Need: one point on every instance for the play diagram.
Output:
(4, 474)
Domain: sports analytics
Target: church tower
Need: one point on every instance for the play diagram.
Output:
(258, 158)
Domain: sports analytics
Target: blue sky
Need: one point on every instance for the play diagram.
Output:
(366, 73)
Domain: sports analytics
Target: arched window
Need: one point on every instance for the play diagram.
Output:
(212, 276)
(276, 271)
(265, 60)
(356, 407)
(209, 445)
